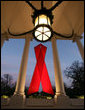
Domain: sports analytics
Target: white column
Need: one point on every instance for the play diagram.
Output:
(80, 47)
(57, 69)
(4, 37)
(20, 86)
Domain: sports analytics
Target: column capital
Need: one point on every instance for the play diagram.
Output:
(29, 36)
(4, 36)
(76, 37)
(53, 38)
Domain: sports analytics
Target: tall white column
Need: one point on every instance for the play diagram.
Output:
(61, 99)
(80, 47)
(20, 86)
(57, 69)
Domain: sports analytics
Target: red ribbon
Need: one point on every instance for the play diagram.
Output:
(40, 73)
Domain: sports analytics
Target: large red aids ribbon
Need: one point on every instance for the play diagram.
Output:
(40, 73)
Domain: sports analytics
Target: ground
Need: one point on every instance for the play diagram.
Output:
(33, 103)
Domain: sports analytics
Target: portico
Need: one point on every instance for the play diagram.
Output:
(19, 98)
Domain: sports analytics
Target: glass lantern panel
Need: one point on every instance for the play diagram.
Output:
(48, 34)
(49, 21)
(40, 29)
(43, 19)
(46, 29)
(36, 21)
(45, 37)
(37, 33)
(39, 37)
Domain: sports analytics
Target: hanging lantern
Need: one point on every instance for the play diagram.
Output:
(42, 20)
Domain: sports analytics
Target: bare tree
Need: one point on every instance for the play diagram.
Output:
(8, 79)
(76, 73)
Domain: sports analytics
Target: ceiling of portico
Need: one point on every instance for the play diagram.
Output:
(16, 15)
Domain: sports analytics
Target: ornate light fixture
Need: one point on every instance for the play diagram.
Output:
(43, 20)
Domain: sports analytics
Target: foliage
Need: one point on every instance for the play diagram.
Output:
(76, 73)
(40, 95)
(80, 97)
(7, 88)
(5, 97)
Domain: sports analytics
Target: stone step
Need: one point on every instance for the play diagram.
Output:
(39, 102)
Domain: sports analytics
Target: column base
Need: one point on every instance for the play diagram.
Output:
(17, 100)
(62, 100)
